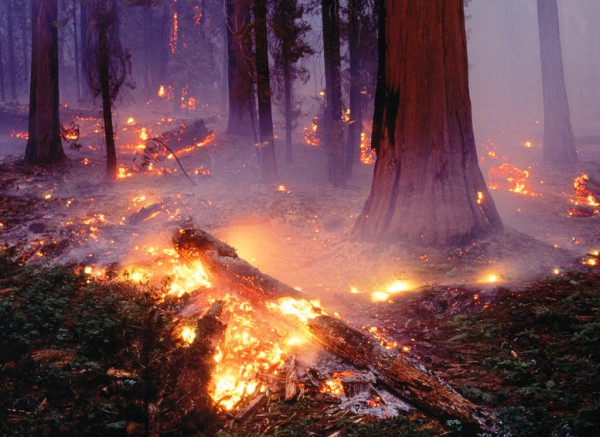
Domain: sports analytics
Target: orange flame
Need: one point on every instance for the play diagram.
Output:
(511, 178)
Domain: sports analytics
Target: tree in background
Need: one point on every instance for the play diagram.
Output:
(362, 53)
(242, 105)
(427, 186)
(107, 66)
(332, 123)
(288, 46)
(559, 142)
(266, 146)
(12, 75)
(44, 145)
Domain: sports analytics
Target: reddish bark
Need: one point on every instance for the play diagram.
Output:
(427, 186)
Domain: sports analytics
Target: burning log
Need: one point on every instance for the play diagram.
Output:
(407, 379)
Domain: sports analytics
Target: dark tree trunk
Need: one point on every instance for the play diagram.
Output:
(25, 40)
(333, 88)
(76, 50)
(355, 127)
(2, 85)
(43, 145)
(83, 25)
(242, 111)
(427, 186)
(10, 37)
(104, 77)
(266, 147)
(287, 96)
(559, 142)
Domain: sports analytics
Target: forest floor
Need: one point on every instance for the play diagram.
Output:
(512, 323)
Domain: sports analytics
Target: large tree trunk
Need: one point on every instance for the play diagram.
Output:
(427, 187)
(10, 37)
(2, 86)
(333, 134)
(355, 127)
(242, 112)
(287, 97)
(266, 148)
(406, 379)
(104, 76)
(43, 145)
(559, 142)
(25, 41)
(77, 52)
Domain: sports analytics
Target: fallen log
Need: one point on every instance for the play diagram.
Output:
(407, 379)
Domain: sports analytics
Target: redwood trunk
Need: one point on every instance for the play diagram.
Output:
(333, 89)
(43, 145)
(266, 148)
(427, 186)
(559, 142)
(104, 76)
(407, 380)
(287, 91)
(2, 88)
(242, 112)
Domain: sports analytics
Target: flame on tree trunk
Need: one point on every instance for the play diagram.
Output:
(43, 145)
(242, 111)
(427, 186)
(559, 142)
(266, 148)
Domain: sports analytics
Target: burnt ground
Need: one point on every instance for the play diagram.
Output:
(524, 346)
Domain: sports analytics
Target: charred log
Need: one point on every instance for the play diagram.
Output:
(407, 379)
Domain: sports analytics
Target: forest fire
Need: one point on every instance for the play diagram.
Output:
(311, 135)
(510, 177)
(585, 203)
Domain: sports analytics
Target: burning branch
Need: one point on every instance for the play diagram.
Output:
(175, 156)
(407, 379)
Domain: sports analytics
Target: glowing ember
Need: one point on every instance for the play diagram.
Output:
(301, 308)
(188, 335)
(528, 144)
(583, 197)
(311, 134)
(188, 278)
(511, 178)
(143, 134)
(479, 198)
(282, 189)
(397, 286)
(130, 121)
(161, 91)
(335, 385)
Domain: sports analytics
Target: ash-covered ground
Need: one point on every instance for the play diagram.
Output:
(298, 230)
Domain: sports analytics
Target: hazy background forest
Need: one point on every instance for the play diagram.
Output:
(193, 149)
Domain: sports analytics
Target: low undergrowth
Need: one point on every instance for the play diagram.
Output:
(81, 356)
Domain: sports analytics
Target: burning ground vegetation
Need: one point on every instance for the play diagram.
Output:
(111, 329)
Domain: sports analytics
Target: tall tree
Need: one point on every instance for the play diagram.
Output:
(427, 186)
(289, 46)
(559, 142)
(266, 147)
(333, 132)
(10, 37)
(43, 144)
(107, 66)
(356, 116)
(2, 86)
(242, 110)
